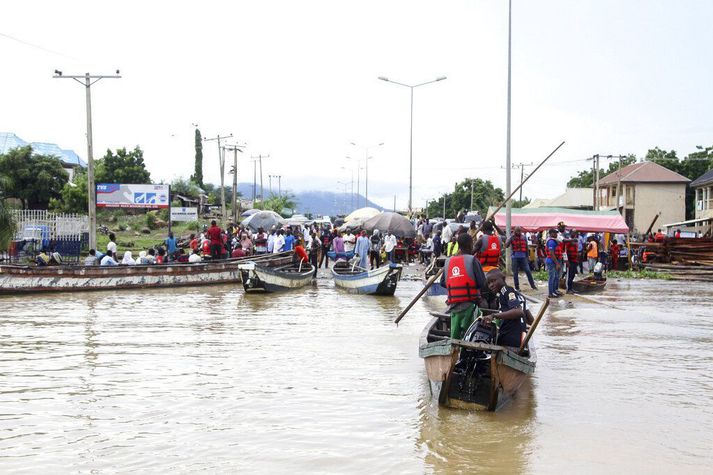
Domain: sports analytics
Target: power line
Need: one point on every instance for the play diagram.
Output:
(32, 45)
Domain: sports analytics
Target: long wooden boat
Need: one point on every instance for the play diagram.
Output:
(487, 377)
(16, 279)
(275, 276)
(587, 285)
(355, 279)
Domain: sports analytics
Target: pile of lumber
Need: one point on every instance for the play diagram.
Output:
(697, 251)
(683, 272)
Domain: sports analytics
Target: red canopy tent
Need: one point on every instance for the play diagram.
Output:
(542, 219)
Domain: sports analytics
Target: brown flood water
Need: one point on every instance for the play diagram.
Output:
(319, 381)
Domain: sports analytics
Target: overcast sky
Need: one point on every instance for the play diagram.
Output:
(298, 81)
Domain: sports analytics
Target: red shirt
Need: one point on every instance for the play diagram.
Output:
(300, 252)
(213, 234)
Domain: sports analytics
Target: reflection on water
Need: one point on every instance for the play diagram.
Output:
(319, 380)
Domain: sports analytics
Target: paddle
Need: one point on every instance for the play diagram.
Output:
(433, 279)
(533, 327)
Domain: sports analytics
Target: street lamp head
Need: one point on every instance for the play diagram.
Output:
(384, 78)
(353, 143)
(58, 72)
(441, 78)
(117, 72)
(382, 143)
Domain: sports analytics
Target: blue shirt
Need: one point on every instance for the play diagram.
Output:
(171, 245)
(551, 246)
(289, 242)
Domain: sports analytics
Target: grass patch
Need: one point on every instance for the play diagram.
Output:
(638, 274)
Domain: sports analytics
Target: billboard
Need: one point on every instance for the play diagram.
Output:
(184, 214)
(113, 195)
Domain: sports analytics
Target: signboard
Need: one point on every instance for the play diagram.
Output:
(184, 214)
(112, 195)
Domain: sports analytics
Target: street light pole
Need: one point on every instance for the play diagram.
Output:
(366, 171)
(508, 165)
(87, 80)
(221, 158)
(410, 160)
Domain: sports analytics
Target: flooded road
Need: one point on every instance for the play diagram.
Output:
(320, 381)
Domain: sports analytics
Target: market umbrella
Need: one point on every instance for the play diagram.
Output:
(353, 224)
(263, 219)
(394, 222)
(249, 212)
(362, 213)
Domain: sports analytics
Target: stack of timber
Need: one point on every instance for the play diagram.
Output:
(684, 272)
(698, 251)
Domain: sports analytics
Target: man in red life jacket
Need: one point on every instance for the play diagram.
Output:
(487, 249)
(519, 258)
(463, 277)
(659, 236)
(571, 248)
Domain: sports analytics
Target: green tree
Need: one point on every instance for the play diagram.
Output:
(73, 197)
(33, 179)
(280, 204)
(585, 179)
(8, 226)
(485, 194)
(185, 187)
(122, 167)
(197, 176)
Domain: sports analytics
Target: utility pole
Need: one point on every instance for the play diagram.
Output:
(472, 185)
(235, 149)
(221, 158)
(262, 196)
(87, 80)
(366, 173)
(522, 166)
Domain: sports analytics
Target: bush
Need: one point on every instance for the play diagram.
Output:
(151, 220)
(194, 226)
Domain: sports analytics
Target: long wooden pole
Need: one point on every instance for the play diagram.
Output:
(533, 327)
(435, 277)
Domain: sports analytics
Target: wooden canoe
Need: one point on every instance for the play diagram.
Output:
(497, 374)
(587, 285)
(355, 279)
(275, 276)
(23, 279)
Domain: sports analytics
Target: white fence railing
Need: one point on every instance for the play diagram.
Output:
(39, 230)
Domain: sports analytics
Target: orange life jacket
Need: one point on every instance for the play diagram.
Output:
(491, 256)
(460, 280)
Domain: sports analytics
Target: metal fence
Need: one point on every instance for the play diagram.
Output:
(41, 230)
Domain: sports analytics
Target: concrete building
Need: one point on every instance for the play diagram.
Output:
(703, 187)
(641, 191)
(69, 158)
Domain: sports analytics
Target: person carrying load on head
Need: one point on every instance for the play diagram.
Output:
(513, 314)
(488, 248)
(464, 279)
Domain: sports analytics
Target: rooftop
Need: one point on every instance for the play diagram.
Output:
(643, 172)
(705, 179)
(8, 141)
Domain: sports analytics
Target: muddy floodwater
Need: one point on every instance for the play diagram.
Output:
(319, 381)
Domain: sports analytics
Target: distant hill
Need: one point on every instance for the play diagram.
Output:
(316, 202)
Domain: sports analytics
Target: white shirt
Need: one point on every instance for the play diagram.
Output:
(108, 261)
(270, 242)
(278, 244)
(194, 258)
(111, 247)
(349, 241)
(447, 233)
(389, 243)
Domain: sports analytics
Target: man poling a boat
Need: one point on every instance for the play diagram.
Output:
(464, 280)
